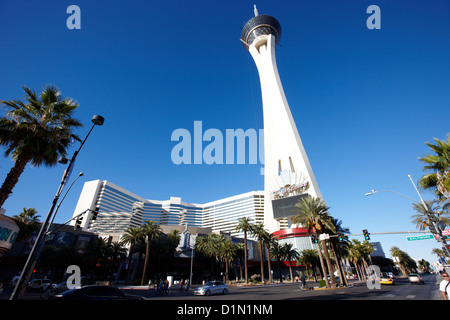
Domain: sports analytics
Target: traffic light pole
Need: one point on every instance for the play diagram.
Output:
(63, 224)
(436, 230)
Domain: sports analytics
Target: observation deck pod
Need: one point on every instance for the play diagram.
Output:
(258, 26)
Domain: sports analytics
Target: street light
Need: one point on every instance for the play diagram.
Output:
(373, 191)
(430, 214)
(59, 204)
(33, 257)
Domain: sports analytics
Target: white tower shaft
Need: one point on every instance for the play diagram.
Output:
(286, 162)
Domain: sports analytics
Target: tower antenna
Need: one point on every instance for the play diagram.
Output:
(255, 10)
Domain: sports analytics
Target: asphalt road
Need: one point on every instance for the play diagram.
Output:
(286, 291)
(402, 290)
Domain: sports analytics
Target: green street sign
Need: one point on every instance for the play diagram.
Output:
(424, 237)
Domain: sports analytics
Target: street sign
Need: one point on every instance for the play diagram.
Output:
(324, 236)
(446, 232)
(424, 237)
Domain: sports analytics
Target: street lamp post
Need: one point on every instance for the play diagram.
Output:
(436, 229)
(33, 257)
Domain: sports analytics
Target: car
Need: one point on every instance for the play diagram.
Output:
(60, 287)
(415, 278)
(14, 281)
(95, 292)
(40, 285)
(386, 279)
(212, 287)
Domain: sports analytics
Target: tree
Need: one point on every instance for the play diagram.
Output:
(422, 218)
(355, 255)
(132, 236)
(439, 165)
(116, 252)
(37, 131)
(313, 213)
(150, 230)
(227, 251)
(259, 232)
(406, 263)
(28, 222)
(268, 241)
(290, 253)
(240, 249)
(337, 246)
(245, 226)
(310, 257)
(439, 252)
(277, 251)
(209, 246)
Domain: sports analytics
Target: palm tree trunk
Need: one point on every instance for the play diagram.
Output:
(147, 257)
(322, 264)
(290, 271)
(269, 266)
(12, 178)
(327, 258)
(246, 257)
(279, 269)
(262, 260)
(130, 255)
(341, 274)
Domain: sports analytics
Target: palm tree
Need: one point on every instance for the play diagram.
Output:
(245, 226)
(37, 131)
(404, 260)
(268, 241)
(116, 252)
(439, 252)
(227, 252)
(337, 247)
(439, 164)
(290, 254)
(132, 236)
(240, 249)
(150, 230)
(277, 251)
(28, 222)
(259, 232)
(422, 218)
(209, 246)
(354, 254)
(313, 212)
(309, 257)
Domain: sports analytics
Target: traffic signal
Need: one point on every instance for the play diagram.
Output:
(78, 223)
(340, 237)
(314, 238)
(95, 213)
(366, 234)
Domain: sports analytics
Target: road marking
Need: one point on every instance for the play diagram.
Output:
(411, 296)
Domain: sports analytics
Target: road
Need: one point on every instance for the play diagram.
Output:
(402, 290)
(291, 291)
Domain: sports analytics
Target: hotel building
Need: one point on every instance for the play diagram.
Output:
(120, 209)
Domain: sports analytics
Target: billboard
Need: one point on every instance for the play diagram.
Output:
(284, 207)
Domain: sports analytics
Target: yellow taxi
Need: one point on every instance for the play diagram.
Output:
(386, 279)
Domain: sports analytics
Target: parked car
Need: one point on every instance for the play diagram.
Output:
(415, 278)
(40, 285)
(60, 287)
(386, 279)
(212, 287)
(14, 281)
(95, 293)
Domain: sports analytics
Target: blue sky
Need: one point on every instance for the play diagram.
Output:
(364, 101)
